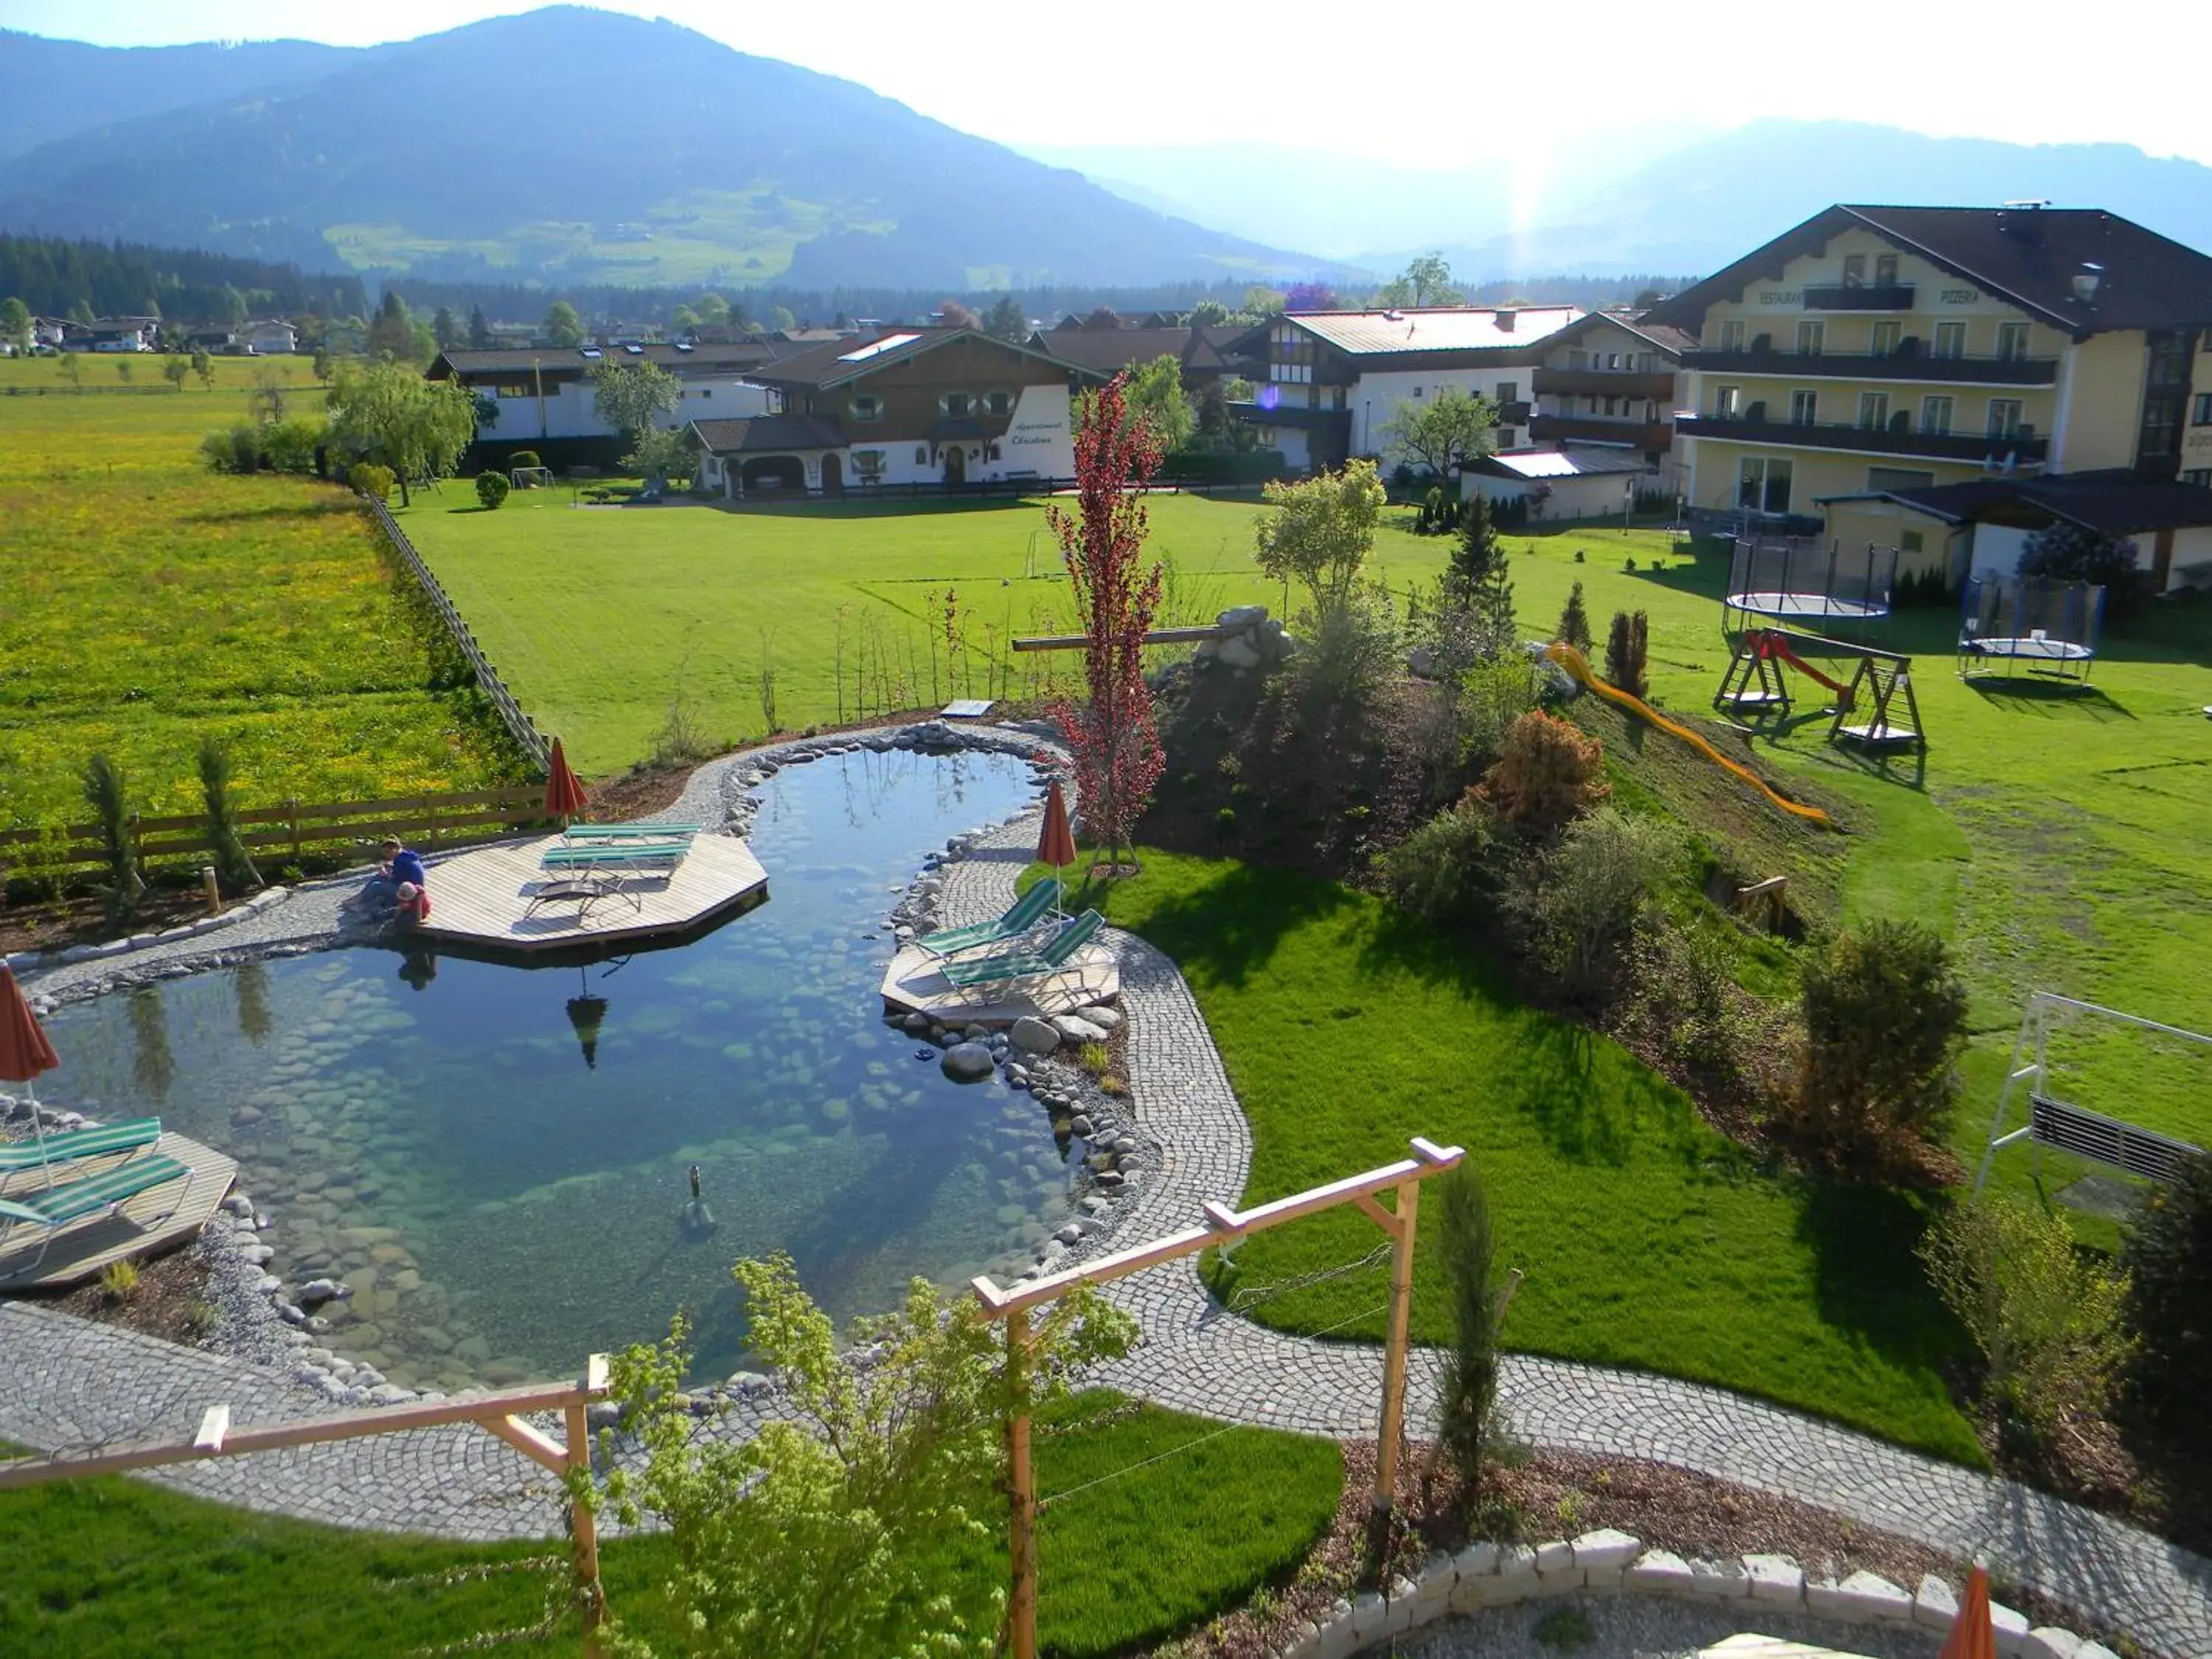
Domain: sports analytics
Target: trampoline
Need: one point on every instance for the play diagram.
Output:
(1801, 577)
(2011, 624)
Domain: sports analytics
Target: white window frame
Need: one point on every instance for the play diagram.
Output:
(1728, 403)
(1957, 328)
(1732, 334)
(2013, 341)
(1929, 423)
(1815, 331)
(1876, 404)
(1992, 426)
(1811, 406)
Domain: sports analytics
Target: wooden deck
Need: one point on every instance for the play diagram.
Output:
(483, 898)
(914, 982)
(81, 1250)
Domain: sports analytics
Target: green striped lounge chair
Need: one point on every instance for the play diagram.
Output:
(104, 1194)
(75, 1146)
(1023, 915)
(1009, 967)
(584, 835)
(634, 855)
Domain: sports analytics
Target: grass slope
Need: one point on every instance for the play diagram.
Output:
(145, 601)
(1648, 1241)
(118, 1568)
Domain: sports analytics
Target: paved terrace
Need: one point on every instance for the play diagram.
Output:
(65, 1383)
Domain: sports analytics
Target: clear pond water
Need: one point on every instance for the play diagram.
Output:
(502, 1207)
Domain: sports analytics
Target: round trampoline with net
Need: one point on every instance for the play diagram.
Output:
(2010, 624)
(1801, 577)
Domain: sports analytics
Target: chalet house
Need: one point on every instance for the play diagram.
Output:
(544, 393)
(943, 406)
(114, 334)
(1875, 357)
(1331, 380)
(1202, 349)
(269, 336)
(1608, 380)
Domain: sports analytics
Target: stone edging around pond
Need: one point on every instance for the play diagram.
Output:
(261, 1320)
(1611, 1563)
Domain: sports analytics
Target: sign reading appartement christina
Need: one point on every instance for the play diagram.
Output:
(1028, 433)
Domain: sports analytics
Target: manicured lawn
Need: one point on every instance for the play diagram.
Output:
(145, 601)
(120, 1568)
(1648, 1240)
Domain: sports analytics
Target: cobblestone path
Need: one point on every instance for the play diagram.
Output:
(65, 1383)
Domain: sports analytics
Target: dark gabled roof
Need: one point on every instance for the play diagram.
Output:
(2113, 503)
(502, 360)
(764, 433)
(834, 362)
(2028, 256)
(1107, 350)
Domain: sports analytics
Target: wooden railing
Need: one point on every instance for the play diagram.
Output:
(291, 827)
(525, 730)
(500, 1414)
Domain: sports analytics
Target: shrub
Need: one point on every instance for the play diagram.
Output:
(236, 449)
(2169, 1309)
(106, 794)
(1885, 1021)
(1349, 650)
(1574, 622)
(2071, 553)
(1547, 771)
(2044, 1316)
(1468, 1386)
(1494, 695)
(491, 490)
(1628, 651)
(523, 458)
(1688, 1005)
(232, 862)
(290, 445)
(1450, 870)
(1579, 905)
(119, 1281)
(371, 479)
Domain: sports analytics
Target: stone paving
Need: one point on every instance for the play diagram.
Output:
(65, 1383)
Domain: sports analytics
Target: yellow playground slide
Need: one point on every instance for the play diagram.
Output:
(1572, 661)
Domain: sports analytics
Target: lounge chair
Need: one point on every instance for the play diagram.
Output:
(75, 1145)
(576, 833)
(1048, 958)
(638, 855)
(1023, 915)
(107, 1192)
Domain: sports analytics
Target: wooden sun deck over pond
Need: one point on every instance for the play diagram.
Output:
(484, 898)
(912, 982)
(80, 1250)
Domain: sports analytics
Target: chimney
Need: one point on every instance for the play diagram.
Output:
(2023, 220)
(2086, 282)
(1504, 322)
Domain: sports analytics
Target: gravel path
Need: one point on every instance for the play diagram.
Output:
(65, 1383)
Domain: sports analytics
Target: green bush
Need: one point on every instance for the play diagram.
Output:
(2044, 1316)
(232, 863)
(106, 793)
(1349, 651)
(1885, 1021)
(1687, 1004)
(290, 445)
(523, 458)
(1493, 694)
(236, 449)
(491, 490)
(1578, 906)
(1468, 1387)
(1450, 872)
(371, 479)
(1628, 651)
(2168, 1260)
(1574, 621)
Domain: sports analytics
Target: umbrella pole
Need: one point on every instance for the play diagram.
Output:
(39, 1130)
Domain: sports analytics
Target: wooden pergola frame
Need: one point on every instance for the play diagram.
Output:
(1223, 1226)
(499, 1414)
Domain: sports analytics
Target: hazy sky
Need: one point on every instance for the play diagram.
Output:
(1420, 86)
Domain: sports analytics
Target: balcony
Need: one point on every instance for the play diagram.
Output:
(1972, 447)
(1285, 415)
(1606, 383)
(1512, 415)
(1909, 362)
(1859, 297)
(1651, 437)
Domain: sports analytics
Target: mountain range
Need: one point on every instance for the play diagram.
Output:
(564, 144)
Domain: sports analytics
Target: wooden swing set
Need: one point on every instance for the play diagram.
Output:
(1757, 682)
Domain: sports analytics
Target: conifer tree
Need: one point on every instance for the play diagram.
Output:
(1574, 622)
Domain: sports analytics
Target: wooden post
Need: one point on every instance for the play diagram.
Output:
(1393, 1355)
(583, 1526)
(292, 810)
(1021, 1610)
(429, 820)
(137, 848)
(209, 887)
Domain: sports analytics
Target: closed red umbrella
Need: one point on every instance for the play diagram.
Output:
(564, 790)
(24, 1050)
(1971, 1634)
(1056, 846)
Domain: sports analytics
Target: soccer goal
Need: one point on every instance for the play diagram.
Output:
(2068, 1052)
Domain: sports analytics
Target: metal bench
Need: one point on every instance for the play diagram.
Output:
(2106, 1140)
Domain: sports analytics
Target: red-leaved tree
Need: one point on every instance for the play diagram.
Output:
(1116, 744)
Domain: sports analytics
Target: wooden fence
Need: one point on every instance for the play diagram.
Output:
(289, 828)
(525, 730)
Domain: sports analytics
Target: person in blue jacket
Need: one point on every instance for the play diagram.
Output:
(400, 867)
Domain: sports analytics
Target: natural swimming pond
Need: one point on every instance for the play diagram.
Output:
(495, 1158)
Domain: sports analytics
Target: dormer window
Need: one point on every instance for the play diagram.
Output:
(955, 403)
(866, 406)
(999, 403)
(1855, 271)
